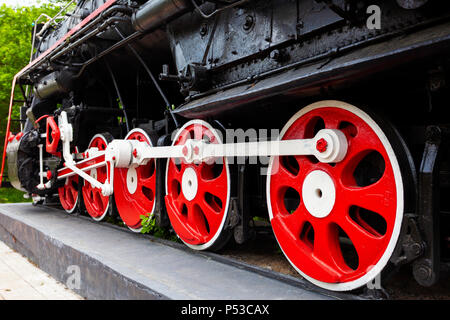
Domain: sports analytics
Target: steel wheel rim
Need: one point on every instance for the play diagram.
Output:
(223, 179)
(142, 201)
(393, 226)
(68, 194)
(96, 204)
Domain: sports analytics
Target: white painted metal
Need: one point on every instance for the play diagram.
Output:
(41, 185)
(318, 193)
(128, 153)
(132, 180)
(66, 137)
(122, 150)
(189, 184)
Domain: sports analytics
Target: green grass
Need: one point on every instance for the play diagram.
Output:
(10, 195)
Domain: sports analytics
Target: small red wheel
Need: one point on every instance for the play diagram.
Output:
(135, 187)
(198, 194)
(337, 224)
(68, 194)
(96, 204)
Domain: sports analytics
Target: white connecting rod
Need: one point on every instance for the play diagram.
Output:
(66, 137)
(329, 145)
(333, 148)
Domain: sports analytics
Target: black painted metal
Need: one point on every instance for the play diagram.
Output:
(227, 56)
(426, 270)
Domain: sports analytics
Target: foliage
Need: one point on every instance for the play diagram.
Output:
(15, 46)
(149, 226)
(11, 195)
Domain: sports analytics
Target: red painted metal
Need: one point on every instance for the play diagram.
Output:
(11, 137)
(95, 202)
(197, 221)
(320, 256)
(19, 135)
(53, 136)
(94, 14)
(8, 128)
(142, 201)
(321, 145)
(43, 117)
(84, 164)
(68, 194)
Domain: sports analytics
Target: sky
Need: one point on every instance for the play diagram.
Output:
(15, 3)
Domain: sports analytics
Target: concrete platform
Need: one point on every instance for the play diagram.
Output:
(102, 261)
(21, 280)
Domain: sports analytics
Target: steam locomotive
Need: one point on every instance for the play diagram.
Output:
(172, 109)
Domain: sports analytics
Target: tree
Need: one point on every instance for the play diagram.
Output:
(15, 47)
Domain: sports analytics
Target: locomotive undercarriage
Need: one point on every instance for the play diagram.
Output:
(353, 185)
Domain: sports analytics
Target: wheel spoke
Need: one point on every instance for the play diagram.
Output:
(293, 222)
(149, 182)
(331, 122)
(326, 249)
(196, 220)
(368, 246)
(72, 192)
(198, 131)
(283, 178)
(217, 187)
(187, 225)
(68, 194)
(379, 197)
(213, 217)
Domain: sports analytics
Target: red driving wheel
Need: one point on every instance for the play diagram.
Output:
(197, 194)
(337, 223)
(96, 204)
(68, 194)
(135, 187)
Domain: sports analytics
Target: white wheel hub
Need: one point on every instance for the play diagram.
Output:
(189, 184)
(132, 180)
(318, 193)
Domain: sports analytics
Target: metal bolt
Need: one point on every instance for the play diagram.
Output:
(248, 22)
(204, 29)
(423, 272)
(185, 151)
(416, 248)
(275, 54)
(135, 153)
(321, 145)
(196, 150)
